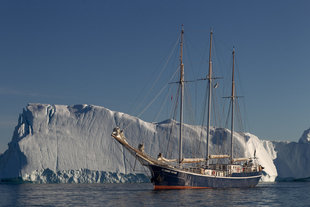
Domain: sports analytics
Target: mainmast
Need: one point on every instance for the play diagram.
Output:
(209, 77)
(232, 105)
(182, 94)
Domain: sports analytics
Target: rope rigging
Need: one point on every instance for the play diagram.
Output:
(121, 149)
(164, 67)
(192, 115)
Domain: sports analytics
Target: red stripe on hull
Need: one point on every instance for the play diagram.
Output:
(167, 187)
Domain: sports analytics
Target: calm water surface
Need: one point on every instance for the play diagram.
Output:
(265, 194)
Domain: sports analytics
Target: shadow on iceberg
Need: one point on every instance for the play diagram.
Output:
(13, 160)
(293, 161)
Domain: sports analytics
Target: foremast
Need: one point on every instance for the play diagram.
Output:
(232, 98)
(181, 97)
(209, 77)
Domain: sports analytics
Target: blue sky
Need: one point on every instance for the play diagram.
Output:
(103, 52)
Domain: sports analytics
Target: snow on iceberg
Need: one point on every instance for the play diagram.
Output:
(57, 143)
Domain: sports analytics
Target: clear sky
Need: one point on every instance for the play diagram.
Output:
(101, 53)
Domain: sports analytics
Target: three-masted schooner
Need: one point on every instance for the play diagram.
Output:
(170, 173)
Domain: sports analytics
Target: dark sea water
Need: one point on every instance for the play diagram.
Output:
(265, 194)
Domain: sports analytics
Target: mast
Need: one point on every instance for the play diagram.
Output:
(232, 105)
(209, 77)
(182, 94)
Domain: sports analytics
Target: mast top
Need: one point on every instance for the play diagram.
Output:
(182, 29)
(181, 47)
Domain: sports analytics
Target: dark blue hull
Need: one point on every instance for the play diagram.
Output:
(170, 178)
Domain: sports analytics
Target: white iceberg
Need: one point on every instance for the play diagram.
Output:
(58, 143)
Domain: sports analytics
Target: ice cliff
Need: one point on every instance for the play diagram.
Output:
(72, 144)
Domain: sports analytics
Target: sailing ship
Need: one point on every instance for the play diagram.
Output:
(173, 174)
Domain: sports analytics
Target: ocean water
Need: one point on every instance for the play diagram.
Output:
(265, 194)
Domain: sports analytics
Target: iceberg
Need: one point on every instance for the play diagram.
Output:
(73, 144)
